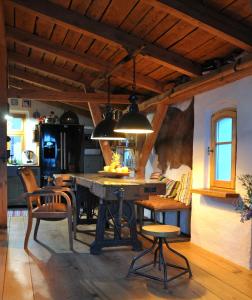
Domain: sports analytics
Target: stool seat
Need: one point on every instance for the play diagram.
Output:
(162, 231)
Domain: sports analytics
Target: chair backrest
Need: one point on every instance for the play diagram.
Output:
(28, 179)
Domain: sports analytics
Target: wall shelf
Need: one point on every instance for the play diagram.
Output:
(216, 193)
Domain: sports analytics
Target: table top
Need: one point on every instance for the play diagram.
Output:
(106, 188)
(102, 180)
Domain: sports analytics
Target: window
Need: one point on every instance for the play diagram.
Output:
(15, 130)
(223, 149)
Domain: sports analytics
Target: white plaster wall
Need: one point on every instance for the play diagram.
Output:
(175, 174)
(215, 225)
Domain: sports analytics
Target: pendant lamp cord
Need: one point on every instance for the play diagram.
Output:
(108, 90)
(134, 74)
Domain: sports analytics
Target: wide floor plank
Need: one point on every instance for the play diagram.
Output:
(50, 271)
(17, 283)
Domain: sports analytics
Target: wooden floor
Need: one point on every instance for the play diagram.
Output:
(51, 271)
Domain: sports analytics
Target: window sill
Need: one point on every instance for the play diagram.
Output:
(216, 193)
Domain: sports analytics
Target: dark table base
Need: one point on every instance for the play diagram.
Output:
(108, 216)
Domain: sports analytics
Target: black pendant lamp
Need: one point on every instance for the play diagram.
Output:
(133, 121)
(105, 129)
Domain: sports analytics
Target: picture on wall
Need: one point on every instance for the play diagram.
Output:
(26, 103)
(14, 102)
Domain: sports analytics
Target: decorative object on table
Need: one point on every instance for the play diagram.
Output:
(26, 103)
(115, 169)
(105, 129)
(244, 205)
(51, 118)
(69, 117)
(134, 121)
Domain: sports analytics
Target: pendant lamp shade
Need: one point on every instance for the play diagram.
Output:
(104, 130)
(133, 121)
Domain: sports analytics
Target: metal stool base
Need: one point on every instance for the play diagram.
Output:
(162, 264)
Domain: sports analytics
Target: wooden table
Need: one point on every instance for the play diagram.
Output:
(116, 203)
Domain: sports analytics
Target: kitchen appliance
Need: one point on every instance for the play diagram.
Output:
(29, 157)
(93, 159)
(61, 150)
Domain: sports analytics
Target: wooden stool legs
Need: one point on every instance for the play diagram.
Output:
(162, 264)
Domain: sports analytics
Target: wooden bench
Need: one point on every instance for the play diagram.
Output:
(157, 204)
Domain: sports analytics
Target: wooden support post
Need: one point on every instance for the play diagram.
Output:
(97, 117)
(151, 138)
(3, 126)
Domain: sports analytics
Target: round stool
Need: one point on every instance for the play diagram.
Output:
(160, 233)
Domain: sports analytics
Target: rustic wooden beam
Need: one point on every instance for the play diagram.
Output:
(108, 34)
(78, 109)
(50, 69)
(19, 84)
(3, 125)
(150, 139)
(216, 78)
(208, 19)
(40, 81)
(99, 81)
(66, 96)
(97, 118)
(85, 60)
(81, 109)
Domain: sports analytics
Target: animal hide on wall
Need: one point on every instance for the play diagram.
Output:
(174, 144)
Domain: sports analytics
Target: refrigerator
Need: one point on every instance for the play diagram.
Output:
(61, 150)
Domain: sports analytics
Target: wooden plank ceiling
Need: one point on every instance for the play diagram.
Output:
(71, 45)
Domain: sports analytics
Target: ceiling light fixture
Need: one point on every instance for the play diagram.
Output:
(133, 121)
(105, 129)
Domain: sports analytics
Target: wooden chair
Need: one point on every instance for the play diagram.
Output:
(44, 204)
(67, 184)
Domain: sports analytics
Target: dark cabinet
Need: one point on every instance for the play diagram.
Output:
(15, 187)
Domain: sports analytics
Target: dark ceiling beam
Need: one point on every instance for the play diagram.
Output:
(40, 81)
(21, 85)
(78, 109)
(202, 16)
(108, 34)
(215, 79)
(66, 96)
(49, 69)
(86, 61)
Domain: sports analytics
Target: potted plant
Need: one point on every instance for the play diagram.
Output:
(244, 205)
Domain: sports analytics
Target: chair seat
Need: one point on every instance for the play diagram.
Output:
(54, 207)
(165, 231)
(158, 203)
